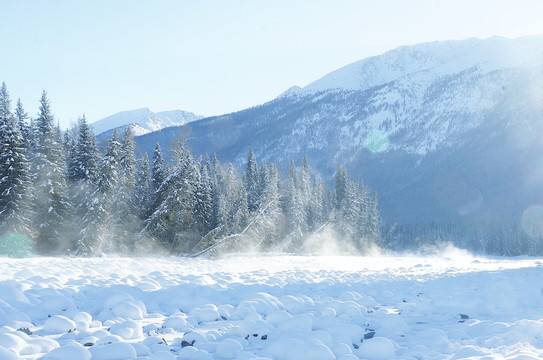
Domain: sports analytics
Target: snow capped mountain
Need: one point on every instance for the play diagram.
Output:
(408, 90)
(437, 58)
(435, 128)
(144, 121)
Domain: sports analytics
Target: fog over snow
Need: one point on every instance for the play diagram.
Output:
(452, 306)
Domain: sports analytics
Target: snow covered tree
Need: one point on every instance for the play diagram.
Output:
(304, 183)
(232, 208)
(340, 194)
(97, 234)
(143, 187)
(69, 144)
(22, 118)
(203, 209)
(51, 204)
(251, 180)
(294, 209)
(316, 212)
(15, 184)
(217, 183)
(267, 229)
(172, 223)
(157, 170)
(158, 173)
(86, 154)
(239, 213)
(126, 223)
(82, 174)
(374, 219)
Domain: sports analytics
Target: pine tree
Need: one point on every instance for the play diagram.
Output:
(69, 144)
(317, 213)
(267, 231)
(86, 154)
(294, 209)
(22, 118)
(239, 215)
(15, 186)
(251, 182)
(233, 212)
(82, 158)
(217, 184)
(341, 187)
(374, 219)
(143, 187)
(157, 170)
(158, 175)
(51, 204)
(126, 223)
(97, 234)
(203, 210)
(172, 223)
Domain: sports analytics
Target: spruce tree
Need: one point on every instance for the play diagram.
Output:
(268, 230)
(143, 187)
(203, 210)
(51, 203)
(22, 118)
(217, 183)
(83, 158)
(69, 144)
(294, 209)
(126, 223)
(15, 185)
(158, 174)
(157, 169)
(97, 234)
(374, 219)
(251, 181)
(86, 154)
(172, 223)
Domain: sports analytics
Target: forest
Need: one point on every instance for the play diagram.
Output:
(61, 192)
(66, 193)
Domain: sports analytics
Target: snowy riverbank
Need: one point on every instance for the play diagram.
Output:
(275, 307)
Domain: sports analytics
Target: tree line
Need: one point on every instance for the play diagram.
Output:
(64, 193)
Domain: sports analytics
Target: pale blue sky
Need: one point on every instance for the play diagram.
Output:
(211, 57)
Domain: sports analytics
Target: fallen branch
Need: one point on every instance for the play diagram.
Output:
(229, 237)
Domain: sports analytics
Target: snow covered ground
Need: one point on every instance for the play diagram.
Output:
(271, 307)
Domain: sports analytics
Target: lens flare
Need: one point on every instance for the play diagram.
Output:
(532, 220)
(16, 245)
(377, 141)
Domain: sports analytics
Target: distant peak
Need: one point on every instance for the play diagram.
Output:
(293, 90)
(146, 120)
(446, 56)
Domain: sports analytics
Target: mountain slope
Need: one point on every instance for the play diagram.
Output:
(443, 131)
(143, 120)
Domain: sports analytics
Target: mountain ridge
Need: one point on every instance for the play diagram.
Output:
(143, 120)
(427, 139)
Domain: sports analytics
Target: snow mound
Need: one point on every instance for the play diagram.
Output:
(113, 351)
(260, 308)
(59, 324)
(68, 352)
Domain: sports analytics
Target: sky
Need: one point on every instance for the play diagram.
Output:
(212, 57)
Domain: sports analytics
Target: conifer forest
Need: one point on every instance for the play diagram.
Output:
(67, 193)
(61, 192)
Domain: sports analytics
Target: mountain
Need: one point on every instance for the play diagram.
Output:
(443, 131)
(143, 120)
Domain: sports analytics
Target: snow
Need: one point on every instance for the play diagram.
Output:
(143, 120)
(58, 324)
(272, 307)
(441, 57)
(421, 98)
